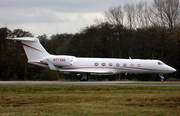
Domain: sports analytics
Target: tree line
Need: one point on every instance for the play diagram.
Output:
(137, 31)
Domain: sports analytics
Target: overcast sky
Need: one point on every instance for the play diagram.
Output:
(54, 16)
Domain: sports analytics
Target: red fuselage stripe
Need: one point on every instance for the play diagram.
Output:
(122, 68)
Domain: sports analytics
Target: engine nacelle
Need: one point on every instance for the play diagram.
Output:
(59, 60)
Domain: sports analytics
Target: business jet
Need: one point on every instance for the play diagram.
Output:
(86, 67)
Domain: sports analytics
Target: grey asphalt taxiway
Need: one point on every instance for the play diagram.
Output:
(116, 83)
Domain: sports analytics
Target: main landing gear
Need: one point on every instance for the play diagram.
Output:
(161, 76)
(85, 76)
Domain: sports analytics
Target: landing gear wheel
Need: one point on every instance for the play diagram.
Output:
(162, 79)
(81, 79)
(84, 77)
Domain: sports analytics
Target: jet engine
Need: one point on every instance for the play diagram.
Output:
(59, 60)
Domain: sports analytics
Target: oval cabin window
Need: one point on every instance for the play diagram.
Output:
(117, 64)
(139, 65)
(124, 64)
(103, 64)
(96, 64)
(110, 64)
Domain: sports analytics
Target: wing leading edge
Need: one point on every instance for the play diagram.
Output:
(94, 72)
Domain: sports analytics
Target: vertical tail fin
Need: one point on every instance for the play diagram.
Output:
(33, 49)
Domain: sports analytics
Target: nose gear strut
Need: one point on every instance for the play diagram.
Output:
(161, 76)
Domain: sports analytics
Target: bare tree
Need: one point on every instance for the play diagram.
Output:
(129, 10)
(142, 14)
(115, 15)
(166, 14)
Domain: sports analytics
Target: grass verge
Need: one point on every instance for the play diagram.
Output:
(88, 100)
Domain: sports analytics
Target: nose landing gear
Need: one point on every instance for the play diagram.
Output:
(161, 76)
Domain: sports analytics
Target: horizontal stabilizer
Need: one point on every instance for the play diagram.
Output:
(24, 39)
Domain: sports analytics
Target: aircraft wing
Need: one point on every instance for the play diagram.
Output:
(78, 70)
(96, 72)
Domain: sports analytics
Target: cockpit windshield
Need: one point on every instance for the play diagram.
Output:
(160, 63)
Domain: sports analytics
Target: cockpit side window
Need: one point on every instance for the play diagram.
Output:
(159, 63)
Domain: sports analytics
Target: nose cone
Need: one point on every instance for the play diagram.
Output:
(171, 69)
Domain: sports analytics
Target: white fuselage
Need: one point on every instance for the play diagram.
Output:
(114, 66)
(106, 66)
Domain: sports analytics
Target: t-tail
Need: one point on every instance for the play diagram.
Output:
(35, 52)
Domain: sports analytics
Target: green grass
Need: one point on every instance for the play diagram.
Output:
(89, 100)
